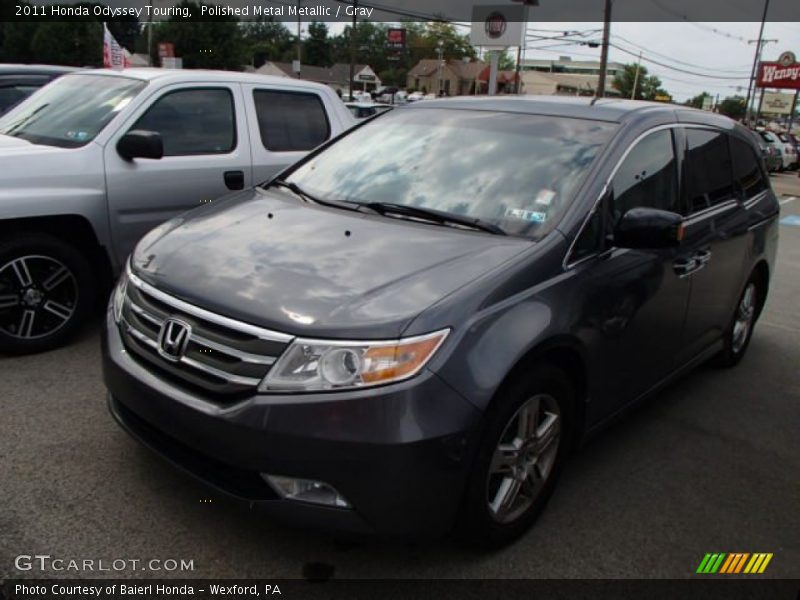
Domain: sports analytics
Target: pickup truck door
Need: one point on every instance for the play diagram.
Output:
(206, 155)
(286, 124)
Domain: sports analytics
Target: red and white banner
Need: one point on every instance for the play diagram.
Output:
(114, 55)
(784, 74)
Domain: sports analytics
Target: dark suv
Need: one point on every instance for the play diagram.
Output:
(411, 327)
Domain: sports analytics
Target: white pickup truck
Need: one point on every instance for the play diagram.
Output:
(94, 160)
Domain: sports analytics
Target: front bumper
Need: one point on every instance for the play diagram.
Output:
(399, 454)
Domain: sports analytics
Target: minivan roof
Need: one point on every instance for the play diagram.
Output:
(604, 109)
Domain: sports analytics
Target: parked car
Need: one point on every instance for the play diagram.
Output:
(773, 160)
(786, 155)
(364, 110)
(17, 82)
(91, 162)
(789, 149)
(416, 96)
(401, 341)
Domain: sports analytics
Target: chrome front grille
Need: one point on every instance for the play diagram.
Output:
(222, 356)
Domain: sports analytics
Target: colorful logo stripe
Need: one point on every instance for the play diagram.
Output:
(734, 562)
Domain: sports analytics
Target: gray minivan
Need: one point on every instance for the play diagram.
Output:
(414, 325)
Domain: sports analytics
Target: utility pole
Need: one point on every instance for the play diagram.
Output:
(526, 4)
(601, 81)
(636, 77)
(756, 60)
(440, 51)
(299, 44)
(760, 47)
(353, 49)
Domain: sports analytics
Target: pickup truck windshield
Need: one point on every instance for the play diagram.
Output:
(516, 171)
(71, 111)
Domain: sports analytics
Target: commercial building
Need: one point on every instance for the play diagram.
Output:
(452, 77)
(336, 76)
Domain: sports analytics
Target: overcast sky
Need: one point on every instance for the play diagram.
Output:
(719, 49)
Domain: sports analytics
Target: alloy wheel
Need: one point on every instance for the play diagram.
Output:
(743, 322)
(38, 296)
(524, 458)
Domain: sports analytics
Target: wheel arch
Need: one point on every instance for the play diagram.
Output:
(72, 229)
(567, 354)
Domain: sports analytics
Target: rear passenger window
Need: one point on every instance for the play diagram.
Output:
(290, 121)
(747, 172)
(648, 177)
(708, 169)
(198, 121)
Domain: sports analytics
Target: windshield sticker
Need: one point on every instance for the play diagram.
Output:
(526, 215)
(545, 197)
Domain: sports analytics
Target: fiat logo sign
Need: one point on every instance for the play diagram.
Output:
(495, 25)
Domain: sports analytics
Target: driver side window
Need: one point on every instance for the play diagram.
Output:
(648, 177)
(193, 121)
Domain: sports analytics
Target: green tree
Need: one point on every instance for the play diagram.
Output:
(732, 106)
(647, 86)
(317, 46)
(204, 44)
(697, 101)
(74, 43)
(506, 62)
(267, 40)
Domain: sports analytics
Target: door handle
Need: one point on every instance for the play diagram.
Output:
(684, 267)
(234, 180)
(702, 257)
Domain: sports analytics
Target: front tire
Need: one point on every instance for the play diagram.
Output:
(527, 434)
(47, 290)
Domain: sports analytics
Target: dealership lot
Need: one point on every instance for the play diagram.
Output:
(710, 465)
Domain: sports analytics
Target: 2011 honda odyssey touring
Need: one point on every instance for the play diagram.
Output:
(409, 329)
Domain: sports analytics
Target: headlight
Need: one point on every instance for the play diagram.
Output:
(118, 295)
(329, 365)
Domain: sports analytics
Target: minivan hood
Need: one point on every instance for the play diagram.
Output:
(267, 258)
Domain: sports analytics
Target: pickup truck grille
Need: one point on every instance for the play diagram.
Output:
(222, 357)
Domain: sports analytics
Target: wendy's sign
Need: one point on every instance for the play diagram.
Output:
(785, 73)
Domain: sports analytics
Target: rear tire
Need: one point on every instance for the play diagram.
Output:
(47, 290)
(526, 437)
(740, 330)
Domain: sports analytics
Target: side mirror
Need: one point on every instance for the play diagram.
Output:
(141, 144)
(649, 228)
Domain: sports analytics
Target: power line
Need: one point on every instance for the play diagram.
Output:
(709, 28)
(675, 60)
(679, 70)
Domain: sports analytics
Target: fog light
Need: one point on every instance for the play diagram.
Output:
(305, 490)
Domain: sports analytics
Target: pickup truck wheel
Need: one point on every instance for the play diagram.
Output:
(47, 289)
(527, 433)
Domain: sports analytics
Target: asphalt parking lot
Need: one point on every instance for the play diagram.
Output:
(710, 465)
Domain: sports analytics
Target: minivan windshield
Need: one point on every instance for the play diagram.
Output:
(516, 171)
(70, 111)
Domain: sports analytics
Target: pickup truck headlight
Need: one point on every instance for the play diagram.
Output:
(309, 365)
(118, 295)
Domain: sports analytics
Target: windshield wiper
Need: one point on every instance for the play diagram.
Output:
(436, 216)
(13, 128)
(298, 191)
